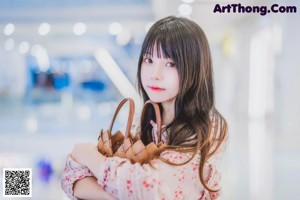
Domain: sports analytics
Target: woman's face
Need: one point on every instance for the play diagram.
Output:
(159, 77)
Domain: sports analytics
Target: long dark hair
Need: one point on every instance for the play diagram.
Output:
(197, 125)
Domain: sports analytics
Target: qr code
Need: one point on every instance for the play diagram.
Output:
(17, 182)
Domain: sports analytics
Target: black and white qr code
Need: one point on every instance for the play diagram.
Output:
(17, 182)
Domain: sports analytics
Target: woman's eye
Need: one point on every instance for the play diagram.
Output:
(147, 60)
(170, 64)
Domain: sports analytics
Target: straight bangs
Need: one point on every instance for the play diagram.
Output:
(166, 45)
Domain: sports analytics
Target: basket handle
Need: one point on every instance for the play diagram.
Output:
(157, 115)
(130, 115)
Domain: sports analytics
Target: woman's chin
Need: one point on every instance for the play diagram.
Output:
(156, 100)
(161, 98)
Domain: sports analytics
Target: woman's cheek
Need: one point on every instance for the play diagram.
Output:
(143, 79)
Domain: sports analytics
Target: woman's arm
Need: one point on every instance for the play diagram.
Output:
(88, 188)
(124, 180)
(79, 182)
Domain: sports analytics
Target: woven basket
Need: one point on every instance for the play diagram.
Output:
(126, 145)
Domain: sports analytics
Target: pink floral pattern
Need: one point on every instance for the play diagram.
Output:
(124, 180)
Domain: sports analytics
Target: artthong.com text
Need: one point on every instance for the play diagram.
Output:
(262, 10)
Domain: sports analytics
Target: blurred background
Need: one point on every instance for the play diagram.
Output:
(65, 65)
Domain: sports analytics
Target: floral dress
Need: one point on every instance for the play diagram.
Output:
(158, 181)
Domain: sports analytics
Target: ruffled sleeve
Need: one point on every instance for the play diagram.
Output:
(212, 173)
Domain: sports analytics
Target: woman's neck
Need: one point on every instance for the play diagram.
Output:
(168, 112)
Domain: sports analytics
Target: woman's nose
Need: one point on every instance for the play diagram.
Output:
(156, 73)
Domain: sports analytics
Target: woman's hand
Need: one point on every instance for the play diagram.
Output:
(83, 152)
(88, 155)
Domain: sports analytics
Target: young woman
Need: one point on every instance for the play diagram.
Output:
(175, 71)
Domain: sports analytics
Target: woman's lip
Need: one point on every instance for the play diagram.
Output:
(154, 88)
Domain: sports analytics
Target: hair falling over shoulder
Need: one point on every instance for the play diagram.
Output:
(197, 125)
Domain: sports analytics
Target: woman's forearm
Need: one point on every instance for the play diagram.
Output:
(88, 188)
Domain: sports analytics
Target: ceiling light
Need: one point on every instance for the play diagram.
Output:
(44, 29)
(185, 9)
(115, 28)
(79, 28)
(9, 29)
(124, 37)
(24, 47)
